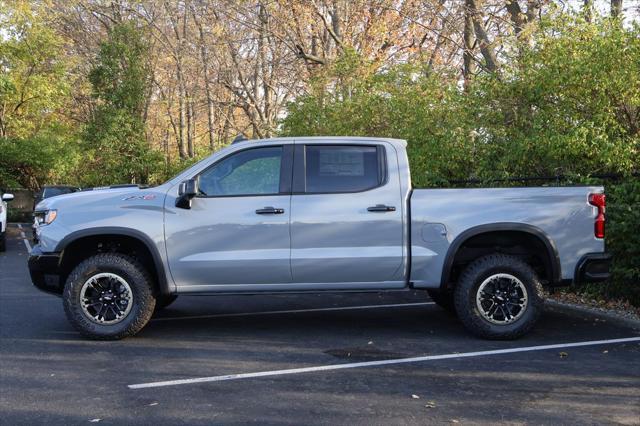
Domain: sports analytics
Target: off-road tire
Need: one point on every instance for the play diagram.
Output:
(444, 299)
(469, 282)
(162, 301)
(136, 276)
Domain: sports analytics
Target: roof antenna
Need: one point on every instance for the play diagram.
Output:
(240, 138)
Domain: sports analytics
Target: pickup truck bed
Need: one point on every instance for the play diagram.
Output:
(559, 221)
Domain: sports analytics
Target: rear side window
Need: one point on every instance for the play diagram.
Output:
(342, 168)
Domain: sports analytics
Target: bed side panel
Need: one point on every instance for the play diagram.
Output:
(438, 216)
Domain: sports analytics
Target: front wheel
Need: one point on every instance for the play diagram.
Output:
(109, 296)
(499, 297)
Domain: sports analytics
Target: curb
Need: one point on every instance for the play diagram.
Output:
(581, 309)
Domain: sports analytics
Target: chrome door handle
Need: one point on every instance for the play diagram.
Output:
(270, 210)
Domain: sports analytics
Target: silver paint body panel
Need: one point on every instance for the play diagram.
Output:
(562, 214)
(334, 239)
(322, 241)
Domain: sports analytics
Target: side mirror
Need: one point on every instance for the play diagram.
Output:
(7, 197)
(186, 191)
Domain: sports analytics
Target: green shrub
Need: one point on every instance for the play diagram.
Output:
(623, 241)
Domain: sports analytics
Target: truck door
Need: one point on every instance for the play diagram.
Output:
(236, 234)
(346, 216)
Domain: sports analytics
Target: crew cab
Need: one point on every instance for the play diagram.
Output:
(315, 214)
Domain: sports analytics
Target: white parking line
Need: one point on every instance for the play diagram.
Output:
(378, 363)
(295, 311)
(24, 239)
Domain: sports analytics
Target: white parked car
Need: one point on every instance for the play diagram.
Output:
(3, 218)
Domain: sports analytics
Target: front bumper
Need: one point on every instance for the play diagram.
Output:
(593, 267)
(44, 270)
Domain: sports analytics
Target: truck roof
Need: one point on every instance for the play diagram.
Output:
(330, 139)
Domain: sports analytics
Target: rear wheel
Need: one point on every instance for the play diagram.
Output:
(109, 296)
(498, 297)
(444, 299)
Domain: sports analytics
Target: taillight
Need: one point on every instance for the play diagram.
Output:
(599, 201)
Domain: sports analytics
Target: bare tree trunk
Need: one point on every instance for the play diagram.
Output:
(204, 57)
(191, 127)
(178, 50)
(487, 50)
(181, 111)
(335, 21)
(533, 6)
(227, 125)
(467, 55)
(188, 94)
(263, 63)
(165, 146)
(616, 8)
(169, 106)
(587, 10)
(517, 18)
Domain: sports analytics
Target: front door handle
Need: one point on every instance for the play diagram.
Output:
(270, 210)
(381, 208)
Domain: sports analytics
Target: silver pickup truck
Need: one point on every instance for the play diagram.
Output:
(312, 215)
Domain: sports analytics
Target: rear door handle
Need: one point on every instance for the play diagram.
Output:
(381, 208)
(270, 210)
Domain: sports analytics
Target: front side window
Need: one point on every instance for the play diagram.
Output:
(341, 168)
(250, 172)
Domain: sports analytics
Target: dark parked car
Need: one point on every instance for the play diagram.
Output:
(49, 191)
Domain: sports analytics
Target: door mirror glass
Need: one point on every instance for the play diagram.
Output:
(188, 188)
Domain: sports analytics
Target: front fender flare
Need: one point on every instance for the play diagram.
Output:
(164, 286)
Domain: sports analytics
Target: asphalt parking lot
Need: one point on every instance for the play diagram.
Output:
(392, 358)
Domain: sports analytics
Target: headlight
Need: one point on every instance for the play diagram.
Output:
(45, 217)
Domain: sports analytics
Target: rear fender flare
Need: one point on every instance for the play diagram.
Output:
(552, 250)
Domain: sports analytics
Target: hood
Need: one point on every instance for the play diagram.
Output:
(111, 196)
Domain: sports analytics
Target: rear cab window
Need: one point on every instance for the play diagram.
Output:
(340, 168)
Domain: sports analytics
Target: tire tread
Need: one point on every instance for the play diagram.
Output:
(467, 311)
(143, 296)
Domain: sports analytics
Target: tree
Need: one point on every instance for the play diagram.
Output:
(32, 83)
(115, 136)
(570, 103)
(34, 91)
